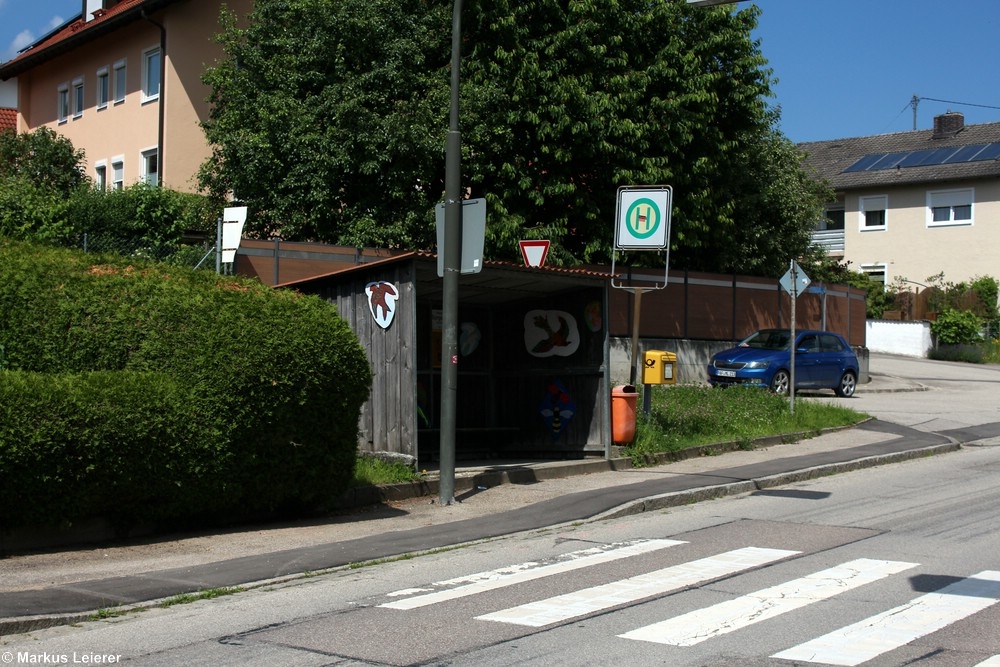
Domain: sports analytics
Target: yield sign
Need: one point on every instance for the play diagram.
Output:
(534, 252)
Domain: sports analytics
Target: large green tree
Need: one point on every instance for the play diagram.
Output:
(329, 118)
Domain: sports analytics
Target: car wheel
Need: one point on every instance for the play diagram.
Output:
(848, 383)
(780, 382)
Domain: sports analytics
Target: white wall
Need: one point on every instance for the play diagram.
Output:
(8, 93)
(911, 339)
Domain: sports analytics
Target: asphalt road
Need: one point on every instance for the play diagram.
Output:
(789, 575)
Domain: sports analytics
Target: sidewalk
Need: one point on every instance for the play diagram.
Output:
(59, 587)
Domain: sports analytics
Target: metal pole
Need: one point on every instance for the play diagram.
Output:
(452, 268)
(218, 248)
(791, 383)
(635, 334)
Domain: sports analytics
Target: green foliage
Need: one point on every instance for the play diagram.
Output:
(966, 353)
(46, 159)
(179, 392)
(329, 120)
(371, 470)
(823, 269)
(954, 327)
(688, 416)
(154, 214)
(29, 211)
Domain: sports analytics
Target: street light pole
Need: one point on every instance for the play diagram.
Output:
(452, 268)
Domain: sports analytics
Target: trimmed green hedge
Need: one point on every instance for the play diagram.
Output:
(145, 392)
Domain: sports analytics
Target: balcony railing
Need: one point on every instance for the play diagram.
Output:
(830, 240)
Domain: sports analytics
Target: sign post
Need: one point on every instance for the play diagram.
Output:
(795, 281)
(642, 223)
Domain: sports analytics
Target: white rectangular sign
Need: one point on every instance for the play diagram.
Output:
(643, 217)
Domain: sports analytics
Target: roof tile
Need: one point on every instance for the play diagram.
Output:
(829, 159)
(8, 119)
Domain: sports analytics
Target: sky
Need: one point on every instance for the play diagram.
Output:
(844, 68)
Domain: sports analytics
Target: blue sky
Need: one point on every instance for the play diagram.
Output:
(845, 68)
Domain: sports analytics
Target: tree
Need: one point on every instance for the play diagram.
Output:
(328, 117)
(44, 158)
(329, 120)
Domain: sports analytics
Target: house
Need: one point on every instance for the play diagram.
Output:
(122, 81)
(912, 205)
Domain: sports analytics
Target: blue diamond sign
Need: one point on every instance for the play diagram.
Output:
(795, 281)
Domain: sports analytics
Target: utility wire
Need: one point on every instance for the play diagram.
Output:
(964, 104)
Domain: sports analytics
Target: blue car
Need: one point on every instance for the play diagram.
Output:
(823, 360)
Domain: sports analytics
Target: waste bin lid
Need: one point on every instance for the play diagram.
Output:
(623, 389)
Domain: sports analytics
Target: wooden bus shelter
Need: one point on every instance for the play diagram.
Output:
(533, 368)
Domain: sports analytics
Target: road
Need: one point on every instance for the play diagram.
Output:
(887, 566)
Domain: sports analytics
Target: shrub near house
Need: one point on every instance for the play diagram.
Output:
(142, 392)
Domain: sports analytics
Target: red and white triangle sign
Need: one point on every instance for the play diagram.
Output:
(534, 252)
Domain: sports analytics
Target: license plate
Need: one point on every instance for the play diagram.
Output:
(725, 374)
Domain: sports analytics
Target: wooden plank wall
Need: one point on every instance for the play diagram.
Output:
(388, 419)
(707, 306)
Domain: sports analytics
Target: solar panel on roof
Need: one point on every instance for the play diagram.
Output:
(926, 157)
(865, 162)
(991, 152)
(916, 158)
(888, 162)
(965, 154)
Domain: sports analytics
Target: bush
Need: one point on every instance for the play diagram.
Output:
(954, 327)
(276, 380)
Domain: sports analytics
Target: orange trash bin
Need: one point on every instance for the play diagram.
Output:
(623, 401)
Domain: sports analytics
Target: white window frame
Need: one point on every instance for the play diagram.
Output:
(101, 175)
(77, 98)
(118, 172)
(877, 267)
(62, 103)
(150, 82)
(873, 203)
(103, 88)
(120, 81)
(951, 199)
(144, 173)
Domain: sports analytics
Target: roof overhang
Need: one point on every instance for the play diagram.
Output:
(56, 44)
(498, 282)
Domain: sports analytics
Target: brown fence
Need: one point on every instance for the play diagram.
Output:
(693, 306)
(708, 306)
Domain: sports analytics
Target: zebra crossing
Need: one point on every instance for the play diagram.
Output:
(853, 644)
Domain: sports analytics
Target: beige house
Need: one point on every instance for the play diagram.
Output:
(122, 81)
(911, 205)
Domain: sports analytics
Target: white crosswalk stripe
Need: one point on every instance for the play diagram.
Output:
(516, 574)
(897, 627)
(700, 625)
(590, 600)
(848, 646)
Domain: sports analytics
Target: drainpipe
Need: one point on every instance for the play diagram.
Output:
(163, 96)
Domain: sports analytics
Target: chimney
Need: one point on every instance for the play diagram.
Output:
(949, 124)
(90, 7)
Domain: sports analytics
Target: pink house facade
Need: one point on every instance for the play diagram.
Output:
(122, 81)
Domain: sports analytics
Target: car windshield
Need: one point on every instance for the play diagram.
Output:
(767, 340)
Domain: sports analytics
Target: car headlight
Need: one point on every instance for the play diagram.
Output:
(757, 364)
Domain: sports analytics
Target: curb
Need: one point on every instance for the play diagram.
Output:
(24, 624)
(675, 499)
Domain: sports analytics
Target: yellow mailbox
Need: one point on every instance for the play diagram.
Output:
(659, 367)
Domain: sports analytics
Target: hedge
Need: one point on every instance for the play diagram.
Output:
(173, 394)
